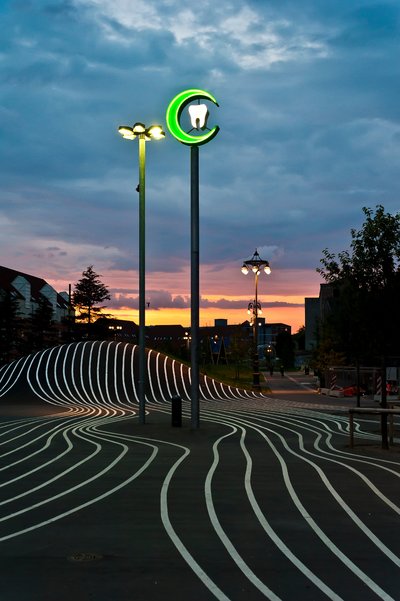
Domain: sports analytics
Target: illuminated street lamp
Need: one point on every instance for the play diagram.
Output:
(144, 134)
(254, 307)
(255, 265)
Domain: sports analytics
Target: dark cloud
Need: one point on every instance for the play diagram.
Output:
(224, 303)
(162, 299)
(156, 299)
(375, 23)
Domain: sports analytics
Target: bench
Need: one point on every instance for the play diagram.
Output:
(391, 412)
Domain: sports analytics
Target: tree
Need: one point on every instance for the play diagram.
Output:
(43, 333)
(299, 338)
(9, 327)
(285, 349)
(365, 280)
(238, 351)
(89, 291)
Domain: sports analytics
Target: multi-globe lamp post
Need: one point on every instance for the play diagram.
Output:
(256, 264)
(144, 134)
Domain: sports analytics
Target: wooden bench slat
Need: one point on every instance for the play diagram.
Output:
(373, 410)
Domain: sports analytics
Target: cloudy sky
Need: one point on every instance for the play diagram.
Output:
(308, 94)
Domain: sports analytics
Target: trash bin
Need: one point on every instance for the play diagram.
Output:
(176, 411)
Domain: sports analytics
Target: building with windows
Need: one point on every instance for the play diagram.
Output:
(29, 291)
(316, 311)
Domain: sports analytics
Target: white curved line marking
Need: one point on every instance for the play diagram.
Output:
(197, 569)
(237, 558)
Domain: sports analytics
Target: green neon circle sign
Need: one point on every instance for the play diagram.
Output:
(174, 112)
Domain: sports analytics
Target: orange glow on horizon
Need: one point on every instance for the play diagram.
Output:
(219, 288)
(293, 316)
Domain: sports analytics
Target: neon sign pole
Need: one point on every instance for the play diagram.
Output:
(198, 115)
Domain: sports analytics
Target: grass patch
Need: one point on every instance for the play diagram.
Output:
(228, 375)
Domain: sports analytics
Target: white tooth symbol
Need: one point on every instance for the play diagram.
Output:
(198, 115)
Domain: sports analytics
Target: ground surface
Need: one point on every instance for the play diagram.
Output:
(264, 501)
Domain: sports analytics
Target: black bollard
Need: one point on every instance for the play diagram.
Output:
(176, 413)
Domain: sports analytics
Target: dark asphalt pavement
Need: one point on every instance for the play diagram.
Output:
(264, 501)
(298, 387)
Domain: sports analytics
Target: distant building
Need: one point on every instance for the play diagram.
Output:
(267, 332)
(316, 311)
(312, 317)
(327, 295)
(119, 330)
(272, 330)
(221, 335)
(220, 323)
(169, 338)
(28, 290)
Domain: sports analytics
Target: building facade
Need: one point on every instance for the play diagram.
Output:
(29, 291)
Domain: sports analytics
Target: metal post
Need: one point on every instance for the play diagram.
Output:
(384, 428)
(351, 416)
(256, 364)
(358, 381)
(194, 285)
(69, 312)
(142, 283)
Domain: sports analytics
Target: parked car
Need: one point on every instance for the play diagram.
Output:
(392, 387)
(352, 391)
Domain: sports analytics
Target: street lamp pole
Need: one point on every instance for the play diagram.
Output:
(255, 264)
(142, 279)
(144, 134)
(256, 359)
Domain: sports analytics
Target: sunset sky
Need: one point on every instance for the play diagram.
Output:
(308, 95)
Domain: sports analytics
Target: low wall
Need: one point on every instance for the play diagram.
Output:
(329, 392)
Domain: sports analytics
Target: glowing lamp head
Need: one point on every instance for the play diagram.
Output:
(126, 132)
(156, 132)
(198, 115)
(139, 128)
(267, 269)
(244, 270)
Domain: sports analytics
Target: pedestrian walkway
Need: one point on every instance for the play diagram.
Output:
(296, 386)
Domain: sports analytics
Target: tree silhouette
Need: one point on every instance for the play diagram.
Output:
(43, 334)
(364, 321)
(9, 327)
(285, 349)
(89, 291)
